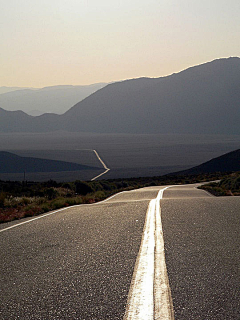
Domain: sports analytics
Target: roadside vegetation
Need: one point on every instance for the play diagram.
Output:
(228, 186)
(25, 199)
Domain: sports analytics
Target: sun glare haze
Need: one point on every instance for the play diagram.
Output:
(53, 42)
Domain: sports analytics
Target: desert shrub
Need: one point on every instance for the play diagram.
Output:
(228, 186)
(89, 198)
(66, 190)
(236, 184)
(73, 201)
(96, 185)
(2, 199)
(70, 201)
(70, 186)
(51, 193)
(32, 210)
(13, 202)
(45, 207)
(26, 201)
(152, 184)
(99, 195)
(108, 186)
(39, 200)
(122, 184)
(231, 183)
(58, 203)
(50, 184)
(82, 187)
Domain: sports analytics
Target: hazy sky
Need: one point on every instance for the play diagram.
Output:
(50, 42)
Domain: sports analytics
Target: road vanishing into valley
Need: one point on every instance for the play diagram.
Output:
(103, 164)
(107, 260)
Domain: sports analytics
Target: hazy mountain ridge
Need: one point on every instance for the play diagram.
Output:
(11, 121)
(201, 99)
(5, 89)
(54, 99)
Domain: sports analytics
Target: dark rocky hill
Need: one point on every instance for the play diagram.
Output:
(228, 162)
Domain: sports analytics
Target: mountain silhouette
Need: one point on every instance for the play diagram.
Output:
(228, 162)
(202, 99)
(54, 99)
(10, 89)
(12, 163)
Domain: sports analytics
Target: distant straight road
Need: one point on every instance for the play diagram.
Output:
(78, 263)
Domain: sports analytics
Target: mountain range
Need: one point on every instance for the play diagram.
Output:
(12, 163)
(5, 89)
(55, 99)
(202, 99)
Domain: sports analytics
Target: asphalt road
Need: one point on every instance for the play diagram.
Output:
(75, 264)
(202, 249)
(78, 263)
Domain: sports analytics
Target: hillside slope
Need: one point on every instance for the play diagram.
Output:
(228, 162)
(5, 89)
(12, 163)
(55, 99)
(201, 99)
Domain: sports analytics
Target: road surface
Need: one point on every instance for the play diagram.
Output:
(202, 248)
(83, 262)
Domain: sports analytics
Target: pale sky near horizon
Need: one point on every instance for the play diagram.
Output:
(57, 42)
